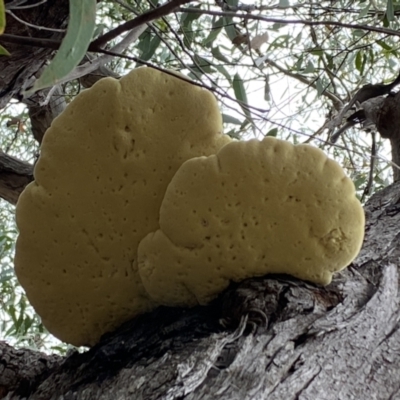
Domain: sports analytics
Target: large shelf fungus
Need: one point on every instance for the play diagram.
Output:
(104, 167)
(140, 200)
(253, 208)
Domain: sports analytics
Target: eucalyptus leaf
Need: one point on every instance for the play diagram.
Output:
(241, 95)
(364, 11)
(3, 51)
(358, 61)
(82, 22)
(390, 10)
(272, 132)
(2, 17)
(224, 72)
(216, 52)
(151, 48)
(228, 119)
(309, 68)
(230, 28)
(215, 31)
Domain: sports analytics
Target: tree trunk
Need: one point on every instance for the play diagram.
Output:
(389, 127)
(268, 338)
(25, 62)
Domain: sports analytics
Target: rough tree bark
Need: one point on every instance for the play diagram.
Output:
(389, 128)
(18, 70)
(14, 176)
(266, 338)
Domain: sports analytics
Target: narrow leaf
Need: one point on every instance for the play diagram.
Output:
(216, 52)
(390, 10)
(80, 30)
(229, 28)
(364, 11)
(224, 72)
(240, 94)
(384, 45)
(215, 30)
(151, 49)
(2, 17)
(3, 51)
(358, 61)
(228, 119)
(272, 132)
(309, 68)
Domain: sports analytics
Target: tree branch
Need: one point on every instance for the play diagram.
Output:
(248, 16)
(14, 176)
(133, 23)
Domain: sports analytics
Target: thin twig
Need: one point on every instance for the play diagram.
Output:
(289, 21)
(30, 41)
(370, 182)
(138, 21)
(11, 6)
(40, 28)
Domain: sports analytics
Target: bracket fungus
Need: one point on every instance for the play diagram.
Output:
(140, 200)
(253, 208)
(104, 167)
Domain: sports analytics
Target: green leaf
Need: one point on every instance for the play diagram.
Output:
(317, 52)
(390, 10)
(232, 3)
(299, 63)
(385, 21)
(384, 45)
(272, 132)
(240, 94)
(309, 68)
(358, 61)
(230, 28)
(364, 11)
(215, 30)
(186, 26)
(151, 48)
(188, 18)
(357, 33)
(82, 21)
(3, 51)
(2, 17)
(216, 52)
(320, 87)
(228, 119)
(202, 66)
(224, 72)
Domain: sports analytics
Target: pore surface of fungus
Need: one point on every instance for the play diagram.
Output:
(253, 208)
(104, 167)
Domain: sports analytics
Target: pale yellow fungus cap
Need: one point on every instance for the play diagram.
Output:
(254, 208)
(104, 167)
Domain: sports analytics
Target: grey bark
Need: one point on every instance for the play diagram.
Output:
(267, 338)
(14, 176)
(22, 368)
(389, 128)
(25, 62)
(43, 107)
